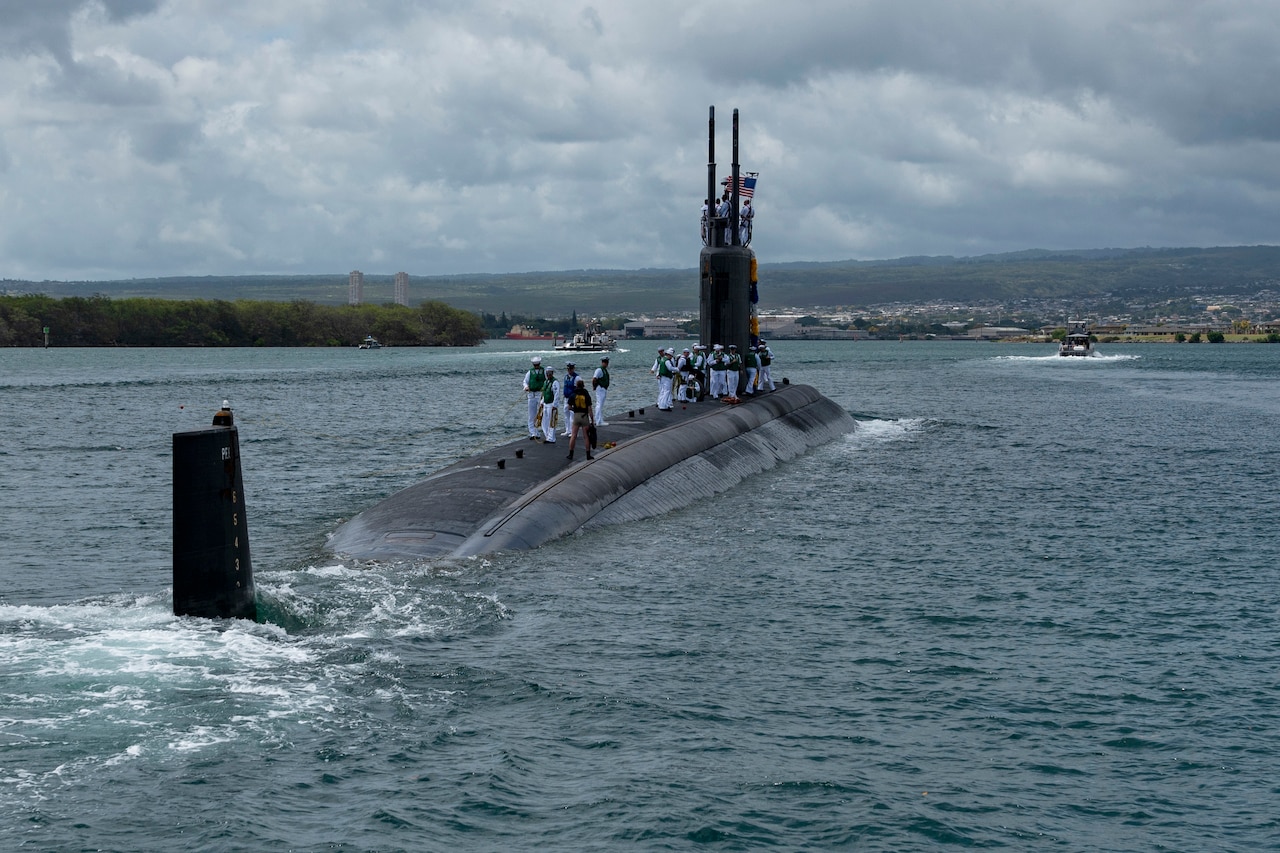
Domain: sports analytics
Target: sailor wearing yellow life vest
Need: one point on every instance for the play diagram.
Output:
(579, 402)
(751, 363)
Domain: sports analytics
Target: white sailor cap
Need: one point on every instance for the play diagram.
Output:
(537, 359)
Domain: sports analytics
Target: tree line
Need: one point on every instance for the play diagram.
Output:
(98, 321)
(1086, 278)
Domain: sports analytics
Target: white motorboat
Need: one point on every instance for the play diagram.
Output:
(1076, 343)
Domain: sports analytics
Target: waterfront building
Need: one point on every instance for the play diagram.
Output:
(402, 288)
(355, 288)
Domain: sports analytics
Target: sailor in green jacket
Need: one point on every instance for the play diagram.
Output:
(552, 402)
(751, 363)
(717, 365)
(733, 369)
(535, 379)
(766, 361)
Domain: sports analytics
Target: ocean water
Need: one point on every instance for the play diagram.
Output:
(1029, 604)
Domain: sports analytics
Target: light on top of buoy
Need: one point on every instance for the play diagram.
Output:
(223, 416)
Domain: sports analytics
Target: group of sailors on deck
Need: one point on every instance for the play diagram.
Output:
(548, 396)
(696, 373)
(691, 375)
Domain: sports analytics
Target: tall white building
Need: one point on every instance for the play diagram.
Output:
(402, 288)
(355, 288)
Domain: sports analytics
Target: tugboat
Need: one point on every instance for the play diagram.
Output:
(369, 342)
(594, 339)
(1077, 342)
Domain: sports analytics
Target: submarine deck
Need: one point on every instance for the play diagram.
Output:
(523, 493)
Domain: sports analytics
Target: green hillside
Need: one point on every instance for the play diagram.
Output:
(1084, 276)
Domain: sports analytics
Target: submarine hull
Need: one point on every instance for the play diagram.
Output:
(662, 461)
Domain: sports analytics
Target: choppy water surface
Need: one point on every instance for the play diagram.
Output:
(1028, 604)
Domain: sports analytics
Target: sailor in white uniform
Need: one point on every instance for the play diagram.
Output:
(722, 211)
(666, 370)
(600, 384)
(534, 381)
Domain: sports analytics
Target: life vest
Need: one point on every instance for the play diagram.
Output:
(602, 381)
(537, 380)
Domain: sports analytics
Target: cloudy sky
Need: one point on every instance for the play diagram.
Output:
(190, 137)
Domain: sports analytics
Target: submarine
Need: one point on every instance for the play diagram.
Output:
(520, 495)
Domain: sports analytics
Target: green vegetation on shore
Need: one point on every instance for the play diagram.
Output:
(100, 321)
(1098, 277)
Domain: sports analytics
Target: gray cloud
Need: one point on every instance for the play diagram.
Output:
(155, 137)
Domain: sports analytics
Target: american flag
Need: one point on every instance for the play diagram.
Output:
(746, 183)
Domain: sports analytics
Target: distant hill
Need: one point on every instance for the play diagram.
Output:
(1079, 275)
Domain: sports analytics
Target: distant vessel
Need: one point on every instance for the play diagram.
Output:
(594, 339)
(524, 333)
(370, 342)
(1077, 342)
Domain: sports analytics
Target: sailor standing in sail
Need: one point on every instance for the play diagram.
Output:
(534, 381)
(600, 382)
(744, 222)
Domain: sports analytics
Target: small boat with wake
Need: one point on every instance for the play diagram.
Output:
(1076, 343)
(594, 339)
(369, 342)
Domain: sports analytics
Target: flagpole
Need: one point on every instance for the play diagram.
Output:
(733, 204)
(711, 175)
